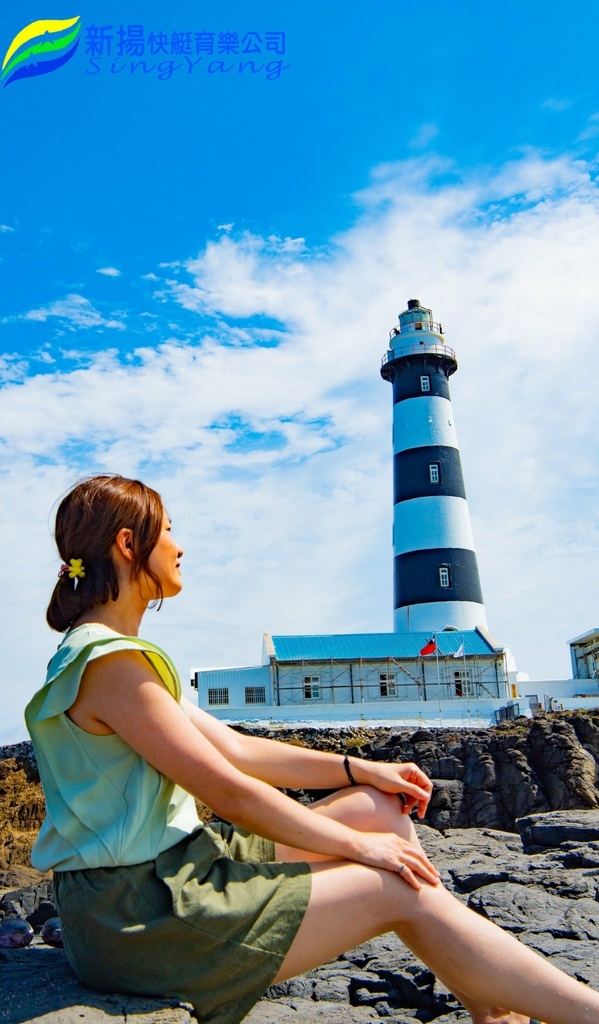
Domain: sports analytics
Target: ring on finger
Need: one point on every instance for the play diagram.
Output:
(401, 869)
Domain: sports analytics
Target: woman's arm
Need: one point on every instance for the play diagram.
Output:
(293, 767)
(126, 696)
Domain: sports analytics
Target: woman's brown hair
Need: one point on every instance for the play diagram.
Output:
(87, 522)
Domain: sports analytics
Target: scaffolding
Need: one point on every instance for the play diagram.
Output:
(387, 681)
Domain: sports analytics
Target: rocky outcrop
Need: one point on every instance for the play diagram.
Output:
(484, 778)
(490, 778)
(549, 899)
(21, 809)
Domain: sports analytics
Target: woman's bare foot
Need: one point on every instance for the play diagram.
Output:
(496, 1015)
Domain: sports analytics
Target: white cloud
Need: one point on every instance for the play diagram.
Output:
(556, 105)
(424, 136)
(592, 129)
(12, 367)
(109, 271)
(275, 459)
(5, 227)
(44, 356)
(77, 311)
(245, 277)
(149, 277)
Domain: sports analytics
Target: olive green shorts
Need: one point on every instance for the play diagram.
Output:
(209, 921)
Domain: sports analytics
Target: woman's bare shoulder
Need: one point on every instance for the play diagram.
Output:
(110, 681)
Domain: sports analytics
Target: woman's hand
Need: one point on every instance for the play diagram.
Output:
(389, 851)
(405, 779)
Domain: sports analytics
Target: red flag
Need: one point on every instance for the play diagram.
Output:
(429, 648)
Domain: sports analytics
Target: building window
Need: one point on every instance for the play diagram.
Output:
(434, 474)
(425, 383)
(311, 687)
(255, 695)
(387, 684)
(444, 576)
(218, 695)
(464, 683)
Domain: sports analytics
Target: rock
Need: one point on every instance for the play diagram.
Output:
(548, 830)
(302, 1011)
(480, 771)
(446, 806)
(583, 919)
(568, 770)
(22, 805)
(32, 904)
(453, 1018)
(38, 985)
(297, 988)
(43, 912)
(11, 908)
(332, 990)
(518, 908)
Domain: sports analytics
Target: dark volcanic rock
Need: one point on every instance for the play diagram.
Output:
(33, 904)
(491, 777)
(37, 984)
(546, 830)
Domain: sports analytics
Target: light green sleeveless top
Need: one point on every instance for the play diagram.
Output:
(105, 805)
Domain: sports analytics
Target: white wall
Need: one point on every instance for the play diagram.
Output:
(560, 688)
(455, 714)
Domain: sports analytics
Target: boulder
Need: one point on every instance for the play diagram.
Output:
(543, 831)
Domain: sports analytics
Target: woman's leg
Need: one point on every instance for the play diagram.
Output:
(351, 903)
(370, 810)
(361, 807)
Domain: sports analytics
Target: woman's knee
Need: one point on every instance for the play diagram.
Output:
(385, 812)
(367, 809)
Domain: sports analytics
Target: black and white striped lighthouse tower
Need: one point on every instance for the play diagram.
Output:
(436, 581)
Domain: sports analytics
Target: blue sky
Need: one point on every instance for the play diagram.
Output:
(198, 271)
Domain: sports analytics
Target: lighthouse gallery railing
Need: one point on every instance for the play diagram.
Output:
(421, 347)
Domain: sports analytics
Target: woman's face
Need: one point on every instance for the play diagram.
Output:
(165, 560)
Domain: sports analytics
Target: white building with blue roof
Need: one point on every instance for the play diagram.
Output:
(370, 676)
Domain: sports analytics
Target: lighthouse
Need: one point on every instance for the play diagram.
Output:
(436, 580)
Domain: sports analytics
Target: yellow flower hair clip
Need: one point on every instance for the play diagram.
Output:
(75, 570)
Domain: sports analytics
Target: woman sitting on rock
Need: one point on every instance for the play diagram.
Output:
(153, 902)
